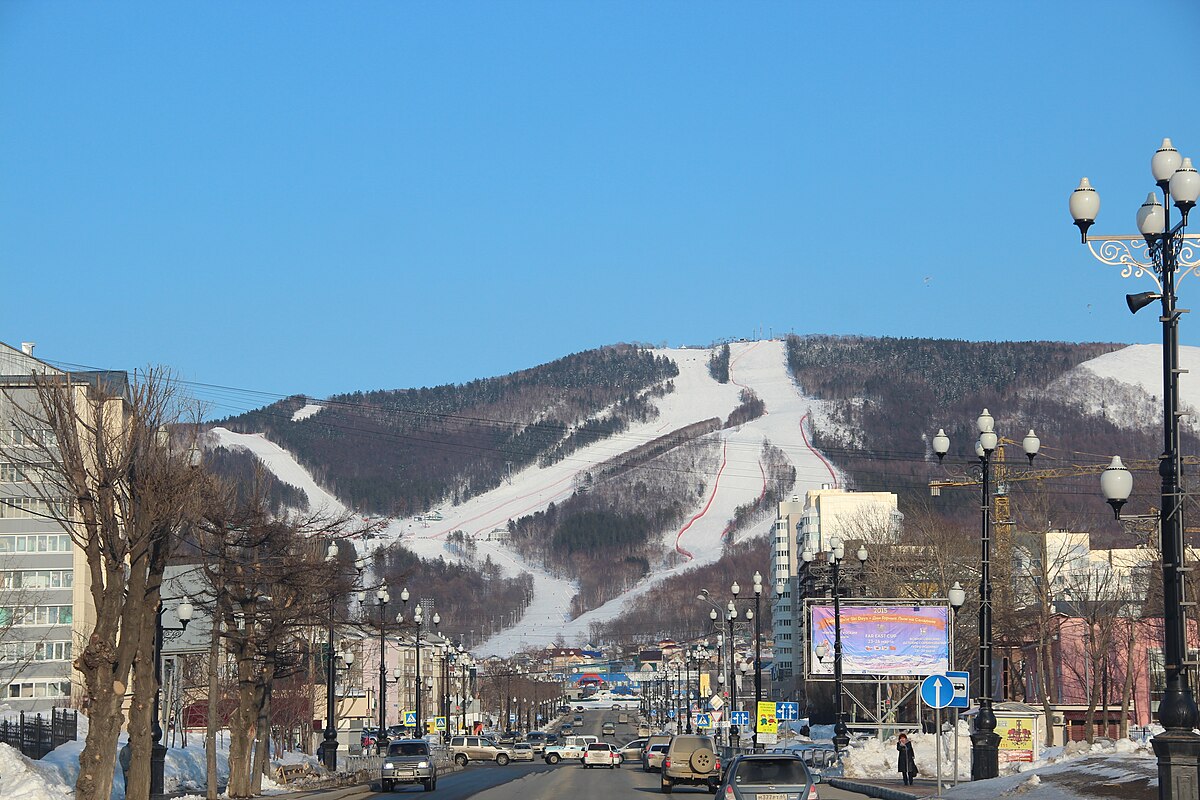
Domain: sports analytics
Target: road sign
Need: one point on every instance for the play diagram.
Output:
(786, 711)
(410, 719)
(704, 721)
(937, 691)
(671, 713)
(767, 722)
(962, 689)
(741, 718)
(439, 723)
(768, 738)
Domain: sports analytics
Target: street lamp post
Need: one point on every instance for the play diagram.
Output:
(381, 599)
(731, 616)
(957, 596)
(985, 743)
(758, 587)
(330, 743)
(1166, 254)
(158, 750)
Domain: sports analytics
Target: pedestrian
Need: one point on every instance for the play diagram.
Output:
(905, 762)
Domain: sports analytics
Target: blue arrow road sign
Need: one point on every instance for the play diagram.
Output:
(962, 689)
(787, 711)
(741, 718)
(937, 691)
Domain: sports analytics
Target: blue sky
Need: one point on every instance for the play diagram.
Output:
(320, 197)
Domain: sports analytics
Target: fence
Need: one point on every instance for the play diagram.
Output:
(37, 736)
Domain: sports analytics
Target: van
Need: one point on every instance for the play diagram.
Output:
(622, 719)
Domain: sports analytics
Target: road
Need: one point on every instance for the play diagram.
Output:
(540, 781)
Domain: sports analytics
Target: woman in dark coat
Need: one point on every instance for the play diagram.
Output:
(905, 762)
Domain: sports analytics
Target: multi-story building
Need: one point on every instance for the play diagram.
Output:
(824, 514)
(46, 609)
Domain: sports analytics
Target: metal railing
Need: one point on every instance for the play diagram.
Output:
(37, 736)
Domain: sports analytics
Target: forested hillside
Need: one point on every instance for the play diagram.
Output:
(400, 452)
(888, 396)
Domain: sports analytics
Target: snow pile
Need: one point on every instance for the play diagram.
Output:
(23, 778)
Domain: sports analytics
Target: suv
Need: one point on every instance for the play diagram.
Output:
(691, 761)
(408, 761)
(478, 748)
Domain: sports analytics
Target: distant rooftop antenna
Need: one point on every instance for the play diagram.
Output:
(27, 347)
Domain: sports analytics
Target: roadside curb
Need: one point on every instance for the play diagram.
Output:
(883, 792)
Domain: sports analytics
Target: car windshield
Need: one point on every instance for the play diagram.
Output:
(522, 746)
(597, 747)
(408, 749)
(658, 748)
(770, 770)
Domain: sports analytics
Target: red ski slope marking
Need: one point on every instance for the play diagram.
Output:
(703, 511)
(813, 450)
(739, 358)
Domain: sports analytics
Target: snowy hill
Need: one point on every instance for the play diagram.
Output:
(757, 366)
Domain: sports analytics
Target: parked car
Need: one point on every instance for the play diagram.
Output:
(750, 777)
(632, 751)
(655, 740)
(691, 761)
(622, 719)
(609, 729)
(408, 761)
(522, 751)
(601, 754)
(478, 748)
(508, 737)
(537, 740)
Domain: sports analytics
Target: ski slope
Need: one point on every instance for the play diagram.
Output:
(740, 479)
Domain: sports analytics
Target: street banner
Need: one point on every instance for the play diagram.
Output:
(882, 640)
(767, 721)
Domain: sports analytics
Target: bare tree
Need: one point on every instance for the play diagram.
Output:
(110, 479)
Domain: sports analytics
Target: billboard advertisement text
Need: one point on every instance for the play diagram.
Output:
(882, 640)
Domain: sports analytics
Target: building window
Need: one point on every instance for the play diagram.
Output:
(37, 579)
(34, 543)
(39, 689)
(30, 508)
(20, 652)
(35, 615)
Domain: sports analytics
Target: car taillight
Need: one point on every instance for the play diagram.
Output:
(812, 792)
(729, 795)
(667, 763)
(717, 766)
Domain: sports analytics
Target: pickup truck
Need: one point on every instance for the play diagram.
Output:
(572, 747)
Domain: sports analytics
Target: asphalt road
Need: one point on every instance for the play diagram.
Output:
(540, 781)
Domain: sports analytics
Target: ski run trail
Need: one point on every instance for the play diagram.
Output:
(759, 366)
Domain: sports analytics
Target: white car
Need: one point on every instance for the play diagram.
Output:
(601, 754)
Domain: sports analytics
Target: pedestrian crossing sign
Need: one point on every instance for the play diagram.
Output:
(439, 723)
(410, 719)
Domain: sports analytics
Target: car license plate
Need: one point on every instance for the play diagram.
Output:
(772, 796)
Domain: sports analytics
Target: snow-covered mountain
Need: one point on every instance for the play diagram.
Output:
(758, 366)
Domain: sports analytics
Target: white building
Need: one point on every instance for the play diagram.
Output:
(824, 514)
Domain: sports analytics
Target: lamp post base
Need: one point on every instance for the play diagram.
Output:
(1178, 754)
(158, 762)
(329, 748)
(985, 755)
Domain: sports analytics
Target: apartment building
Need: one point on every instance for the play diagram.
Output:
(46, 610)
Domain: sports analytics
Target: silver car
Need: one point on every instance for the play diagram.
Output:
(408, 761)
(768, 775)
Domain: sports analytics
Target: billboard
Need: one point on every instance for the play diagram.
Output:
(882, 640)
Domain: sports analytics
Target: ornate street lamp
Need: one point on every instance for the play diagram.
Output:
(1165, 254)
(329, 745)
(985, 743)
(158, 750)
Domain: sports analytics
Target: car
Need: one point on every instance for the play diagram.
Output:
(572, 748)
(564, 709)
(464, 749)
(508, 737)
(399, 732)
(537, 740)
(408, 761)
(609, 729)
(632, 751)
(749, 777)
(578, 719)
(622, 719)
(522, 751)
(601, 754)
(567, 727)
(652, 757)
(655, 740)
(691, 761)
(643, 730)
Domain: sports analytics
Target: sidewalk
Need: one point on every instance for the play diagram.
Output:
(890, 790)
